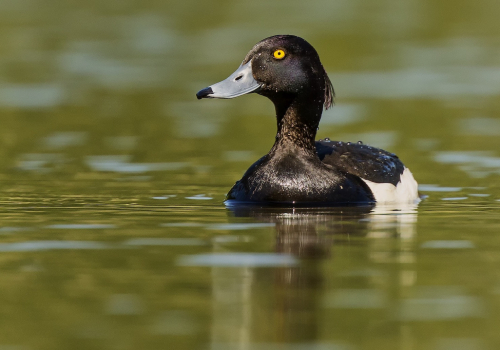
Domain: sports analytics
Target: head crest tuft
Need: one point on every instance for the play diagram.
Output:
(329, 92)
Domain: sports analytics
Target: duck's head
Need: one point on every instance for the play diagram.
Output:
(282, 68)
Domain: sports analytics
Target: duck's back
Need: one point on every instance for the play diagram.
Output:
(382, 171)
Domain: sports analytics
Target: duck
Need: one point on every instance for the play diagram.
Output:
(298, 169)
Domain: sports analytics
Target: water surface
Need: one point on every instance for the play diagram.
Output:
(113, 232)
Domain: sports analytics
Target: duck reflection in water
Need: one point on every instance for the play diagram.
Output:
(284, 304)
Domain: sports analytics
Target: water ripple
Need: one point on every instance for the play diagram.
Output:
(31, 246)
(238, 260)
(239, 226)
(81, 226)
(165, 242)
(451, 244)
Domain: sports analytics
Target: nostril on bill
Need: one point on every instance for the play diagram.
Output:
(238, 77)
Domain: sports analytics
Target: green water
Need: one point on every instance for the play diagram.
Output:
(113, 234)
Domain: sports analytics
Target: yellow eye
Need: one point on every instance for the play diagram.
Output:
(279, 54)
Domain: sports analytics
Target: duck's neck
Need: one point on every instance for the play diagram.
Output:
(298, 119)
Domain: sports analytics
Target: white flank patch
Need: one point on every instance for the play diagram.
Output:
(405, 191)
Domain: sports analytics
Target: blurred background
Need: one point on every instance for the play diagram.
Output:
(113, 177)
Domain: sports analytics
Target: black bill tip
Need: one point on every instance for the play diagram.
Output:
(203, 93)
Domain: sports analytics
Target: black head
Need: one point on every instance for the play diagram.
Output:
(281, 66)
(287, 64)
